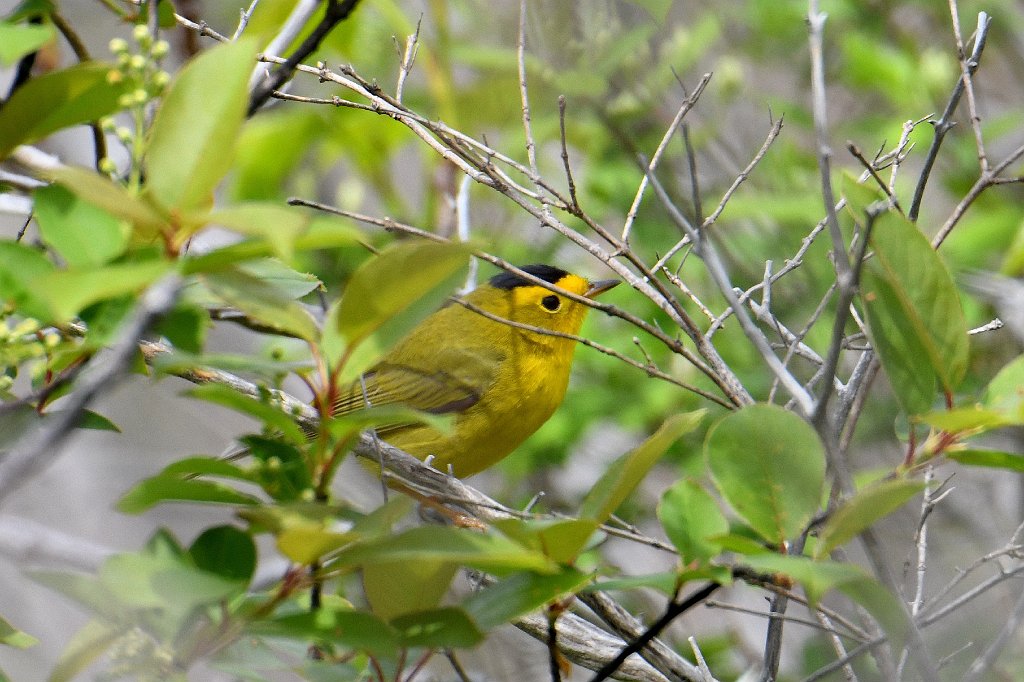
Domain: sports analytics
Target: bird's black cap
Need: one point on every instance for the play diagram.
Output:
(510, 280)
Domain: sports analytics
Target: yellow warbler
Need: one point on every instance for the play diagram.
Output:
(499, 381)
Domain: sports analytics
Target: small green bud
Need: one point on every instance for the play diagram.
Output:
(25, 327)
(124, 134)
(125, 101)
(273, 463)
(160, 49)
(118, 45)
(114, 76)
(51, 340)
(142, 35)
(137, 62)
(123, 60)
(107, 166)
(308, 495)
(6, 382)
(140, 96)
(161, 79)
(108, 124)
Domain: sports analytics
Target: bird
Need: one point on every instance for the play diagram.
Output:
(497, 360)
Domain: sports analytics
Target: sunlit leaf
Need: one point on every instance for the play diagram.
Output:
(194, 131)
(16, 41)
(388, 295)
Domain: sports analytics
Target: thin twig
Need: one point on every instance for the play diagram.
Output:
(335, 12)
(945, 122)
(716, 268)
(652, 165)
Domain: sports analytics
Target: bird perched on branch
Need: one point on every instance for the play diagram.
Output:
(498, 360)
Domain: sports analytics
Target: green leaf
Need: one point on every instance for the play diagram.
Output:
(488, 552)
(194, 131)
(225, 551)
(305, 543)
(101, 192)
(397, 588)
(284, 472)
(57, 100)
(265, 411)
(862, 510)
(769, 466)
(560, 539)
(322, 233)
(21, 270)
(88, 644)
(913, 312)
(625, 473)
(12, 636)
(438, 628)
(351, 629)
(988, 458)
(16, 41)
(278, 225)
(162, 488)
(69, 291)
(283, 278)
(975, 418)
(81, 233)
(521, 593)
(185, 327)
(263, 302)
(206, 466)
(388, 295)
(91, 420)
(667, 583)
(859, 197)
(690, 517)
(818, 577)
(1005, 393)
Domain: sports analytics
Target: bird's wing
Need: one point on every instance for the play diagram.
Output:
(467, 374)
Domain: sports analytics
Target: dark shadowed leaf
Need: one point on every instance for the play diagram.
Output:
(913, 311)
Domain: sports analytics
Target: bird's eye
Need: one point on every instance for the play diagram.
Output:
(552, 303)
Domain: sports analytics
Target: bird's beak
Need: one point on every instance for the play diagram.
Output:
(600, 286)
